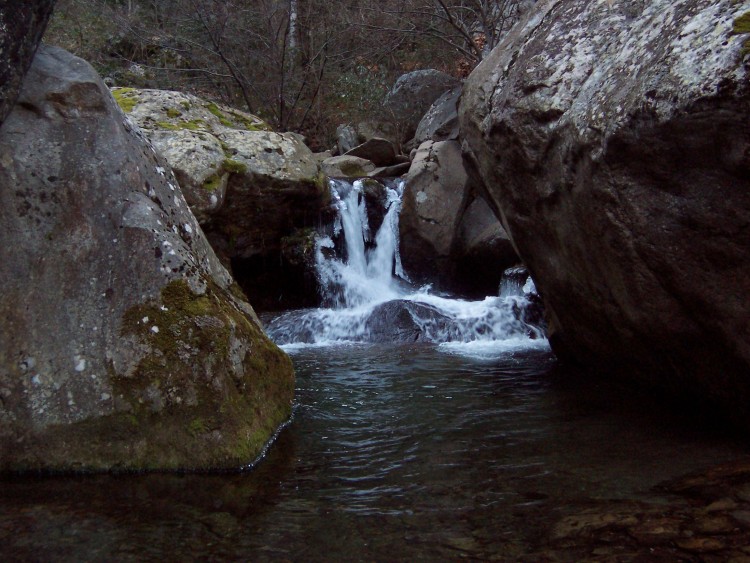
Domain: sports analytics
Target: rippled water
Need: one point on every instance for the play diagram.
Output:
(394, 453)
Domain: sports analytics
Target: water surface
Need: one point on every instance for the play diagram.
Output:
(397, 452)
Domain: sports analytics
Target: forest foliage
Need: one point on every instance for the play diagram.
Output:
(302, 65)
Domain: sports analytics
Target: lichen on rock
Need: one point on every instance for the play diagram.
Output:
(125, 343)
(613, 144)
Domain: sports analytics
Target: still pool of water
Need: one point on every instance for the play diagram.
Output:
(396, 452)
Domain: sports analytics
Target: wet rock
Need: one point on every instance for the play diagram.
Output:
(586, 523)
(22, 25)
(402, 321)
(125, 344)
(675, 528)
(701, 545)
(721, 505)
(483, 251)
(596, 131)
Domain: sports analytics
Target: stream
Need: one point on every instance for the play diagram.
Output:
(425, 428)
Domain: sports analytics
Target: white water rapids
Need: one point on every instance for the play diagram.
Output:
(368, 297)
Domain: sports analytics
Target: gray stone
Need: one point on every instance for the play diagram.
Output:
(22, 25)
(440, 123)
(248, 186)
(124, 343)
(347, 167)
(616, 147)
(382, 129)
(391, 171)
(483, 251)
(402, 321)
(412, 95)
(380, 152)
(434, 198)
(346, 138)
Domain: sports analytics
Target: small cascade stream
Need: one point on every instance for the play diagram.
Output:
(489, 452)
(368, 297)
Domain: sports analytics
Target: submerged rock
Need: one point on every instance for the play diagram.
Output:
(614, 140)
(125, 343)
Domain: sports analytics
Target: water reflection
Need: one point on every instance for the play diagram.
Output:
(394, 453)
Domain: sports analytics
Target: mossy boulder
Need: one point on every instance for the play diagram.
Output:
(248, 186)
(125, 344)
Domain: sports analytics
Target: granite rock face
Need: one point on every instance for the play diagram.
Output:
(248, 186)
(413, 94)
(614, 138)
(125, 343)
(22, 25)
(440, 123)
(482, 252)
(436, 193)
(449, 235)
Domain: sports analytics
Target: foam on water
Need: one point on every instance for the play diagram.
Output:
(368, 284)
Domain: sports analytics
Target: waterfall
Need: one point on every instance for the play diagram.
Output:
(363, 277)
(367, 296)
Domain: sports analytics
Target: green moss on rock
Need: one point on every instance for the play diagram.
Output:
(173, 113)
(195, 339)
(126, 98)
(212, 183)
(740, 26)
(209, 390)
(223, 119)
(192, 125)
(249, 124)
(234, 166)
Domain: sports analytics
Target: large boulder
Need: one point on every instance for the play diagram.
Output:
(435, 196)
(250, 188)
(440, 123)
(483, 251)
(22, 25)
(347, 166)
(125, 344)
(380, 152)
(615, 140)
(412, 95)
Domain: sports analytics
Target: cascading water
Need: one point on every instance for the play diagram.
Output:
(368, 297)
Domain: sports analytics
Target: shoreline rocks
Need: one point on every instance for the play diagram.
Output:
(614, 143)
(125, 343)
